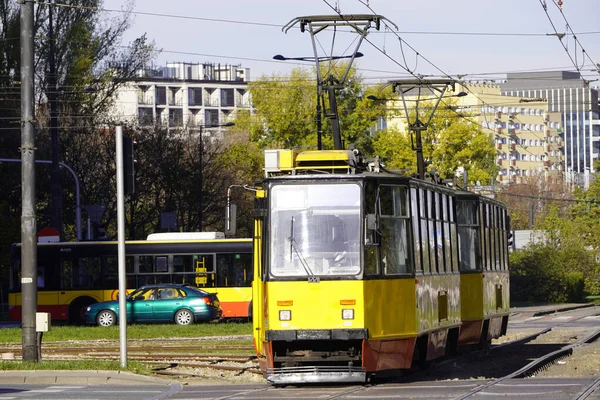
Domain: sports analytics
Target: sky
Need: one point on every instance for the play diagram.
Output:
(477, 39)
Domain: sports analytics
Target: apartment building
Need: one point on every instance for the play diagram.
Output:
(525, 133)
(577, 104)
(192, 95)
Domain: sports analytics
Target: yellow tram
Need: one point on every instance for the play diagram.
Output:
(360, 272)
(483, 227)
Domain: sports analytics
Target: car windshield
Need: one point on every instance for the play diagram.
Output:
(315, 230)
(137, 292)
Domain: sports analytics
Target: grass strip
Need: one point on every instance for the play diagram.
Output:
(132, 366)
(135, 331)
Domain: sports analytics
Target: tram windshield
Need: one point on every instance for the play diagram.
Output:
(315, 230)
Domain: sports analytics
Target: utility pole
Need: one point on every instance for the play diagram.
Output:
(121, 248)
(28, 222)
(200, 179)
(52, 91)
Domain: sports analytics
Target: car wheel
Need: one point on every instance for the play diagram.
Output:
(106, 318)
(77, 310)
(184, 317)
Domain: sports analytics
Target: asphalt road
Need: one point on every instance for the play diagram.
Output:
(86, 392)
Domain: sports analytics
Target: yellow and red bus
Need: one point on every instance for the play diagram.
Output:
(73, 275)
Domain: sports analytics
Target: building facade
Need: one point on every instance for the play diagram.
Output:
(191, 95)
(526, 134)
(577, 104)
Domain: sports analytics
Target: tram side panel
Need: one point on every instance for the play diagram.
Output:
(392, 322)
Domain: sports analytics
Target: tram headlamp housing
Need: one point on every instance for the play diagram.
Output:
(285, 315)
(347, 313)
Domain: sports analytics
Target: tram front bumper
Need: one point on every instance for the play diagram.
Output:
(313, 374)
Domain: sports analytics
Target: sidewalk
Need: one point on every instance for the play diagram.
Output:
(549, 309)
(73, 377)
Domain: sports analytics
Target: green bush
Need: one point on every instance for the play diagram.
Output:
(544, 274)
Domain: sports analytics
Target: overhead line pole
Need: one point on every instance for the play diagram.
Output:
(28, 217)
(121, 248)
(57, 216)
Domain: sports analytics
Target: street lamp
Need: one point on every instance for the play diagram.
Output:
(201, 151)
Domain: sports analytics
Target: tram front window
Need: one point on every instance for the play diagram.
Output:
(315, 230)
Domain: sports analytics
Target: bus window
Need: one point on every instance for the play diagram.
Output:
(87, 273)
(234, 270)
(183, 263)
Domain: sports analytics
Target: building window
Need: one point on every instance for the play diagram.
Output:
(227, 99)
(145, 116)
(211, 117)
(161, 95)
(176, 117)
(195, 97)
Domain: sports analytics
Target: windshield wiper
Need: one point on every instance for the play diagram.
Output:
(303, 262)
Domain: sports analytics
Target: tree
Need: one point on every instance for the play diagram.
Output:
(449, 143)
(285, 111)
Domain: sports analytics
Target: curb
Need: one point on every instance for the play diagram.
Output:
(78, 377)
(554, 310)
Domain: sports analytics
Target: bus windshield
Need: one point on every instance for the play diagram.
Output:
(315, 230)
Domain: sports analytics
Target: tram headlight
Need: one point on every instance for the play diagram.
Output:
(347, 313)
(88, 309)
(285, 315)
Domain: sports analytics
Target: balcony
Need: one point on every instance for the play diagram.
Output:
(242, 104)
(175, 102)
(146, 100)
(211, 102)
(499, 146)
(513, 146)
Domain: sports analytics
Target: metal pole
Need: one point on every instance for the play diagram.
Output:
(419, 150)
(52, 88)
(121, 248)
(200, 197)
(28, 222)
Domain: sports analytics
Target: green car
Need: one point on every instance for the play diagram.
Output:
(181, 304)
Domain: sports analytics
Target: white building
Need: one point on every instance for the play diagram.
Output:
(185, 95)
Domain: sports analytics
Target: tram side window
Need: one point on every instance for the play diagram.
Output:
(371, 262)
(395, 255)
(439, 238)
(424, 237)
(234, 270)
(415, 228)
(488, 254)
(432, 231)
(447, 241)
(453, 234)
(468, 236)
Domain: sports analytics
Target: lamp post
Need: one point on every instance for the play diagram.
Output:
(201, 173)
